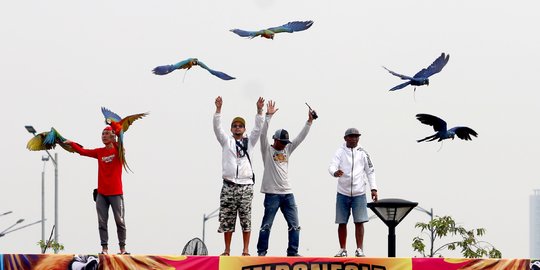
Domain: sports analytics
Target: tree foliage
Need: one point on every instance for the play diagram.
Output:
(468, 241)
(50, 244)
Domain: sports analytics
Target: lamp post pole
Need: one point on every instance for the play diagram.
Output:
(391, 241)
(205, 218)
(54, 160)
(44, 159)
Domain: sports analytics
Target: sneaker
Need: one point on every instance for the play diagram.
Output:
(359, 253)
(341, 253)
(294, 255)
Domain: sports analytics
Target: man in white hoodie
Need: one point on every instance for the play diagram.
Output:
(353, 168)
(237, 173)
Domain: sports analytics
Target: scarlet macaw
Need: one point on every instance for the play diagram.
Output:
(187, 64)
(119, 126)
(270, 32)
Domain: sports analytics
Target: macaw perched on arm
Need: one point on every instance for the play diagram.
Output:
(187, 64)
(47, 140)
(270, 32)
(422, 77)
(440, 126)
(119, 126)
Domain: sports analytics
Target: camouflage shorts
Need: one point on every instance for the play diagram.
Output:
(235, 199)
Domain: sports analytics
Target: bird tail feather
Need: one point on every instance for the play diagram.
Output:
(429, 138)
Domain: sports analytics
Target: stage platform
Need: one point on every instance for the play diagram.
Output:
(79, 262)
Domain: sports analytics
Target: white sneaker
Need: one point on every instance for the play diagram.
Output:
(341, 253)
(359, 253)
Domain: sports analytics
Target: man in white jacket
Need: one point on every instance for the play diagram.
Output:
(353, 168)
(237, 173)
(275, 183)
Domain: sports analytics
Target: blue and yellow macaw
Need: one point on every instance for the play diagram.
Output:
(270, 32)
(187, 64)
(119, 126)
(48, 140)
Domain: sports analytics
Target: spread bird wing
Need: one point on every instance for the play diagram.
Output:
(400, 86)
(464, 133)
(128, 120)
(216, 73)
(428, 119)
(292, 27)
(434, 68)
(166, 69)
(48, 140)
(36, 143)
(109, 115)
(403, 77)
(244, 33)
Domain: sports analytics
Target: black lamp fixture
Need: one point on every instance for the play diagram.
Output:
(392, 212)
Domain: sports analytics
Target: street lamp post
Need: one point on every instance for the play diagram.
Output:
(6, 213)
(205, 218)
(6, 230)
(44, 158)
(392, 212)
(54, 160)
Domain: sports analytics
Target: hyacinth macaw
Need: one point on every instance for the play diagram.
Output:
(119, 126)
(443, 133)
(48, 140)
(187, 64)
(422, 77)
(270, 32)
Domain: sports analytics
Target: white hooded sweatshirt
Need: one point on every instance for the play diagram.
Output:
(357, 171)
(234, 168)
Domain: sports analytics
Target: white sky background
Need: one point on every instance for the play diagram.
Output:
(62, 60)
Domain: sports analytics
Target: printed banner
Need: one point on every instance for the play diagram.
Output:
(313, 263)
(105, 262)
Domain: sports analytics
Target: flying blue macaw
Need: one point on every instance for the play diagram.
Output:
(269, 33)
(443, 133)
(187, 64)
(422, 77)
(119, 126)
(48, 140)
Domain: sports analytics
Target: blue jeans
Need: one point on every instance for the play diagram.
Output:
(285, 202)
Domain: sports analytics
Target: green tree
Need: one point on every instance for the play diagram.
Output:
(469, 244)
(50, 244)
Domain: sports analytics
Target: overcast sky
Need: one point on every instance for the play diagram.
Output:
(62, 60)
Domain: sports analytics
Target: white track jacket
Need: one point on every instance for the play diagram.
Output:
(357, 171)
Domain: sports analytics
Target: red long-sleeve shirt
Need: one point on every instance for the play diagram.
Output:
(109, 168)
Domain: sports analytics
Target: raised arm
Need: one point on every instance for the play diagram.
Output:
(259, 119)
(270, 110)
(218, 130)
(302, 135)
